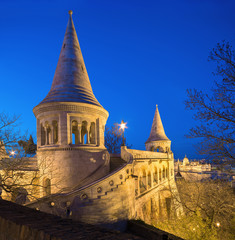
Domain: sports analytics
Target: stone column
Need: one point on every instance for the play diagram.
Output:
(88, 132)
(151, 179)
(46, 138)
(79, 133)
(39, 133)
(64, 124)
(52, 134)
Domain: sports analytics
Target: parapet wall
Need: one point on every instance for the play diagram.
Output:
(21, 223)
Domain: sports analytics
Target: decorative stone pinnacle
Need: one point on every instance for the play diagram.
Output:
(156, 105)
(70, 12)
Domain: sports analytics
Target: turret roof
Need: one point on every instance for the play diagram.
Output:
(157, 132)
(71, 82)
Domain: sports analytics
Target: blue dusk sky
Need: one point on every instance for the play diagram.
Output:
(137, 54)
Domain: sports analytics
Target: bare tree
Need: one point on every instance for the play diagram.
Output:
(22, 176)
(216, 112)
(114, 139)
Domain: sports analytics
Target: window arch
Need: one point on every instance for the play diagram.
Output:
(142, 182)
(35, 187)
(149, 180)
(75, 132)
(92, 133)
(47, 186)
(84, 133)
(55, 131)
(160, 175)
(43, 135)
(48, 133)
(164, 173)
(155, 176)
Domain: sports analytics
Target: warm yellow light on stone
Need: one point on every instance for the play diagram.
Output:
(217, 224)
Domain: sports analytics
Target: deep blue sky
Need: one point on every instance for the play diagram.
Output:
(137, 53)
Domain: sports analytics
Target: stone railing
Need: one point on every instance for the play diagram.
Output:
(130, 154)
(95, 190)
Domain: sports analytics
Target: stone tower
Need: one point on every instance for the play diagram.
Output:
(158, 141)
(71, 123)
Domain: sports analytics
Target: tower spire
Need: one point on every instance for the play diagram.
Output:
(71, 82)
(157, 131)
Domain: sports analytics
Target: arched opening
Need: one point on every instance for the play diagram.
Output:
(84, 132)
(164, 173)
(47, 187)
(48, 133)
(35, 187)
(136, 186)
(159, 149)
(149, 180)
(143, 183)
(43, 135)
(92, 133)
(160, 175)
(152, 149)
(55, 131)
(155, 176)
(75, 132)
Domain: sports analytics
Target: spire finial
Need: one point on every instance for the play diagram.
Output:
(156, 106)
(70, 12)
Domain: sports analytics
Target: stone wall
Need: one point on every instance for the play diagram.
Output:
(22, 223)
(118, 196)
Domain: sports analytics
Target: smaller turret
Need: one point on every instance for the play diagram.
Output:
(158, 141)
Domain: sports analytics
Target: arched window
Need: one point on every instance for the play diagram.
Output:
(75, 132)
(55, 131)
(47, 187)
(160, 175)
(84, 133)
(155, 176)
(35, 187)
(149, 180)
(143, 183)
(43, 135)
(92, 133)
(136, 186)
(159, 149)
(164, 173)
(48, 133)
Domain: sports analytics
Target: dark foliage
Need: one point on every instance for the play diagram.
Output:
(29, 146)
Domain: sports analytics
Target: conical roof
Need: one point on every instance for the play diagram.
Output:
(157, 131)
(71, 82)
